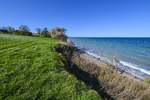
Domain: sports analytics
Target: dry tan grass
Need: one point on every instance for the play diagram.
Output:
(119, 86)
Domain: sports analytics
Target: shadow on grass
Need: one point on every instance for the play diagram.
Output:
(90, 80)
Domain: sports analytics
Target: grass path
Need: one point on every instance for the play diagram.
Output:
(31, 69)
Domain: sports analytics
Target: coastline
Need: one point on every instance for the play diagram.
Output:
(120, 65)
(119, 85)
(99, 61)
(119, 70)
(116, 83)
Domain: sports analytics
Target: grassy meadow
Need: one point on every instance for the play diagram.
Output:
(31, 69)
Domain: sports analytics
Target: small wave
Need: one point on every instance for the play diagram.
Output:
(125, 66)
(134, 67)
(103, 58)
(93, 54)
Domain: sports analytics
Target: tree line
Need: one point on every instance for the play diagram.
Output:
(57, 32)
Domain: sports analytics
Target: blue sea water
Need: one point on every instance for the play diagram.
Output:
(129, 54)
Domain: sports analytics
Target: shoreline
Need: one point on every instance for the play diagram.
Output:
(121, 66)
(103, 76)
(98, 60)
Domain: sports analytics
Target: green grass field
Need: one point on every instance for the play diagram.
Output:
(31, 69)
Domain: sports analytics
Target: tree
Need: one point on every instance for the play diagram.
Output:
(45, 32)
(10, 29)
(3, 28)
(24, 28)
(38, 31)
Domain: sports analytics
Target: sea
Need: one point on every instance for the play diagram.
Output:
(131, 55)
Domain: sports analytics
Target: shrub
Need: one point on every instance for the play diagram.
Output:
(59, 33)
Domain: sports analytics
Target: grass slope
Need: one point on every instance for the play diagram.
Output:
(31, 69)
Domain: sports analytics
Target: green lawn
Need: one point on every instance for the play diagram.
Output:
(31, 69)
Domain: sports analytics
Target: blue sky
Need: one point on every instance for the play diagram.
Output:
(81, 18)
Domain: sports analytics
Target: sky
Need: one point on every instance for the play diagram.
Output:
(81, 18)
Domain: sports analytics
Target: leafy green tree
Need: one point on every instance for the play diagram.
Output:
(38, 31)
(45, 32)
(10, 29)
(24, 28)
(3, 28)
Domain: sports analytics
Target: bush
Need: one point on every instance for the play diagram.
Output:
(23, 30)
(56, 33)
(18, 32)
(59, 33)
